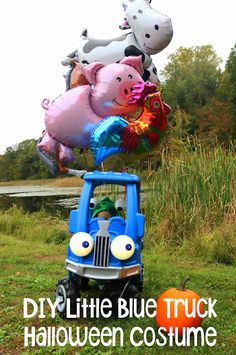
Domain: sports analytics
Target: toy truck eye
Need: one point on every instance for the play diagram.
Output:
(120, 205)
(93, 202)
(81, 244)
(122, 247)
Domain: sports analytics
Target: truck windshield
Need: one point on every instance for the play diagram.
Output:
(108, 201)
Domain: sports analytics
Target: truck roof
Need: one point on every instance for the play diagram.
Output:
(110, 177)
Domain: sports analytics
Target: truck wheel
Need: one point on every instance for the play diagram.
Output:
(84, 284)
(138, 279)
(114, 291)
(67, 289)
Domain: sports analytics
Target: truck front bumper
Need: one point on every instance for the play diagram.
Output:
(102, 273)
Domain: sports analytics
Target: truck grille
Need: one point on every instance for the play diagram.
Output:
(102, 245)
(102, 251)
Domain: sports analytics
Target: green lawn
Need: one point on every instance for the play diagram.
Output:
(31, 269)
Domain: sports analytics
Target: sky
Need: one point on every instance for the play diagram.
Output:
(36, 35)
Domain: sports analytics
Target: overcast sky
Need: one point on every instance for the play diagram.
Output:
(37, 34)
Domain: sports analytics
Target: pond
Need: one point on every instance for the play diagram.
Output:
(33, 198)
(54, 200)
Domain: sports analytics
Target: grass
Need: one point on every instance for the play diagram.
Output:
(192, 199)
(35, 226)
(68, 181)
(31, 269)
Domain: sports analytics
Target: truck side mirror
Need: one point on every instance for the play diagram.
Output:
(140, 224)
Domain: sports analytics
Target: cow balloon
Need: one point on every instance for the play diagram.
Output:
(71, 118)
(149, 33)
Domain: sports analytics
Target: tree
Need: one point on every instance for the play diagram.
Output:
(227, 89)
(22, 162)
(214, 120)
(191, 78)
(28, 163)
(8, 169)
(231, 70)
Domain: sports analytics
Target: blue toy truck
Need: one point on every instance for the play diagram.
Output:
(108, 251)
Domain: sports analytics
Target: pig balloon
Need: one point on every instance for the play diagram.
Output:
(71, 118)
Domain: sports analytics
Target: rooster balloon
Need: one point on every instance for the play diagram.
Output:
(115, 135)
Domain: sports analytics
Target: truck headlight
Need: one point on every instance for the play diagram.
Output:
(122, 247)
(81, 244)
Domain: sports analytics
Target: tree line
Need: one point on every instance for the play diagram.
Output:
(201, 94)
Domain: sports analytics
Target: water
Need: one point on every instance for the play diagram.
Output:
(54, 200)
(34, 198)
